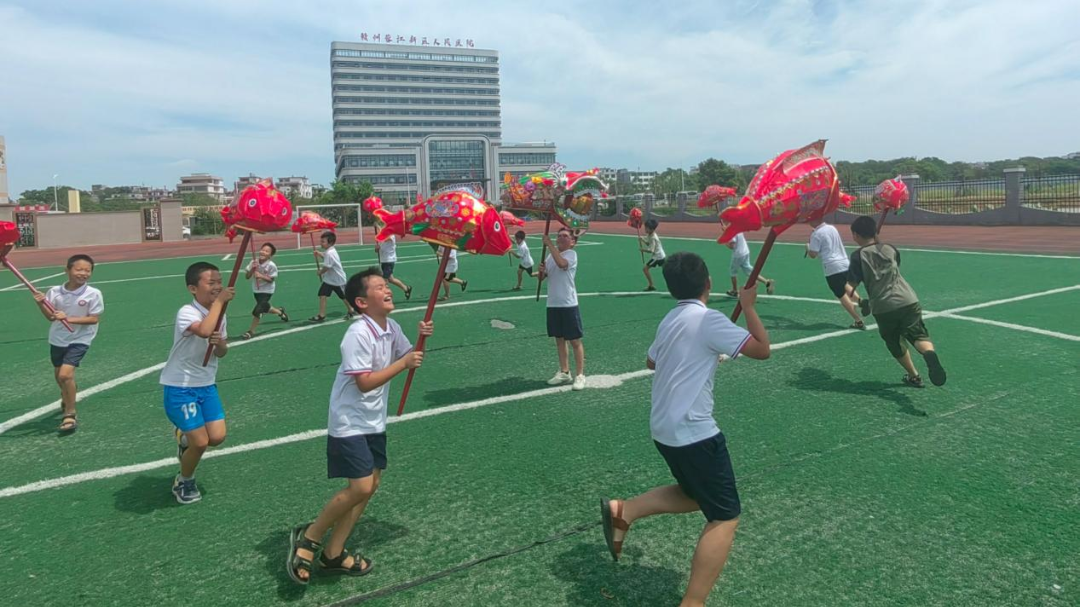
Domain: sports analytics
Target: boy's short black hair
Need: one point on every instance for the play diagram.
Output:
(357, 285)
(651, 224)
(519, 234)
(273, 249)
(864, 227)
(686, 275)
(80, 257)
(195, 271)
(329, 236)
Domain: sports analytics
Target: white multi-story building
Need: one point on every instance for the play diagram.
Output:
(4, 199)
(202, 183)
(411, 118)
(295, 186)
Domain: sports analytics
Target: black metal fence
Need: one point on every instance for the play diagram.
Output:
(959, 197)
(1059, 193)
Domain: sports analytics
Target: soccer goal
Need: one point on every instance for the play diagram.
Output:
(347, 216)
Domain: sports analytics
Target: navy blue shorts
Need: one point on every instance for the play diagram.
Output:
(703, 470)
(326, 290)
(387, 270)
(355, 456)
(528, 269)
(837, 284)
(70, 355)
(565, 323)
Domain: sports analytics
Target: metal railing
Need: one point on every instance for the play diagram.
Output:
(1059, 193)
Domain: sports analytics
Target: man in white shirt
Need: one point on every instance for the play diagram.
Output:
(332, 274)
(563, 314)
(825, 244)
(688, 344)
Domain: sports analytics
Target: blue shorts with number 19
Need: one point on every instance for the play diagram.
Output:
(190, 408)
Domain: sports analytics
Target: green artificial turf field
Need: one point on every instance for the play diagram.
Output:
(856, 490)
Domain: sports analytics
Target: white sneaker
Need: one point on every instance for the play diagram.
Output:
(560, 379)
(579, 382)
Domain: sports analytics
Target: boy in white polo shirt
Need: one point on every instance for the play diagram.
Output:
(263, 274)
(451, 272)
(525, 265)
(563, 314)
(387, 251)
(373, 351)
(192, 403)
(332, 274)
(825, 244)
(740, 261)
(684, 354)
(81, 306)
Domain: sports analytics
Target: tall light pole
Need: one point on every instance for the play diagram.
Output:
(56, 200)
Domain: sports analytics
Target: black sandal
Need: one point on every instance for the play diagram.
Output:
(858, 324)
(67, 427)
(317, 318)
(360, 566)
(295, 562)
(612, 519)
(408, 293)
(283, 316)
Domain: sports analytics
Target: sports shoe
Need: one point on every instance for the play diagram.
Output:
(579, 382)
(864, 307)
(732, 293)
(914, 382)
(560, 379)
(185, 492)
(181, 444)
(933, 364)
(648, 289)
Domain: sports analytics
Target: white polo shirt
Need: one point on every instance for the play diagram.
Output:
(562, 292)
(526, 260)
(262, 286)
(84, 301)
(452, 265)
(366, 347)
(741, 248)
(388, 250)
(688, 344)
(825, 241)
(652, 243)
(184, 368)
(335, 274)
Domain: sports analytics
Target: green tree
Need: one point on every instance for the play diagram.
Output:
(718, 172)
(206, 221)
(672, 181)
(200, 200)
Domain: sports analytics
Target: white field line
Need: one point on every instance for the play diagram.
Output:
(802, 244)
(1015, 327)
(227, 257)
(83, 394)
(20, 285)
(302, 436)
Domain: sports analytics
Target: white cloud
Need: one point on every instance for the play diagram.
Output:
(244, 86)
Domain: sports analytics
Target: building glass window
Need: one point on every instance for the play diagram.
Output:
(455, 162)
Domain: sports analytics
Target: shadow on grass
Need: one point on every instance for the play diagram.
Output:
(781, 323)
(817, 380)
(510, 385)
(368, 534)
(148, 493)
(592, 578)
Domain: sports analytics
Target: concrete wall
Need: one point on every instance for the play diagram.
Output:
(172, 221)
(88, 229)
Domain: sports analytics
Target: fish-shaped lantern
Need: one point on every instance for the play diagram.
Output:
(9, 233)
(714, 195)
(636, 219)
(798, 186)
(891, 195)
(310, 221)
(568, 196)
(453, 218)
(258, 208)
(510, 220)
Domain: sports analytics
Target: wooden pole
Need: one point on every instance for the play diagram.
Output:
(881, 220)
(639, 245)
(543, 252)
(313, 252)
(240, 255)
(10, 266)
(758, 265)
(427, 318)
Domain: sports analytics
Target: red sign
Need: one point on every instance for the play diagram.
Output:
(32, 207)
(391, 39)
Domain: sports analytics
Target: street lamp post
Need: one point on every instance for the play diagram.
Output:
(56, 200)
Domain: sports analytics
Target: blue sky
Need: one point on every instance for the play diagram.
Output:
(126, 92)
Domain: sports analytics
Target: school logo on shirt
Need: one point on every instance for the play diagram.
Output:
(82, 302)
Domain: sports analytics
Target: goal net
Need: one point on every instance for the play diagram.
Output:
(347, 216)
